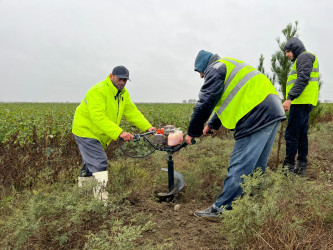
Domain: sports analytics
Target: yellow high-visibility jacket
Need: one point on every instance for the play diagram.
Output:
(244, 88)
(311, 92)
(100, 112)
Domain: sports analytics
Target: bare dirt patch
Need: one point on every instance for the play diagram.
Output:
(181, 227)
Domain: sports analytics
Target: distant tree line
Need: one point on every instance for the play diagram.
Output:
(189, 101)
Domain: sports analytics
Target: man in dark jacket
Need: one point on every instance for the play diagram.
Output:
(243, 100)
(302, 94)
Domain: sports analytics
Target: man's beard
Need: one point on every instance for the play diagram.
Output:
(118, 86)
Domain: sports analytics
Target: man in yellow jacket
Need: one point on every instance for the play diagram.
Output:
(96, 124)
(302, 91)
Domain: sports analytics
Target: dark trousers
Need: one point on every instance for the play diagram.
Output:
(296, 134)
(93, 156)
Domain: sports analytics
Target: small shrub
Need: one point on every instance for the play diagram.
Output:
(208, 162)
(277, 210)
(117, 236)
(53, 215)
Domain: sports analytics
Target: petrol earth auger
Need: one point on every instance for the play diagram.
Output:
(168, 139)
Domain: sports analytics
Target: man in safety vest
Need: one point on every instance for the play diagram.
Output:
(244, 100)
(96, 123)
(302, 89)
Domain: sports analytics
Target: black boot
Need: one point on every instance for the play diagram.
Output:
(289, 167)
(301, 168)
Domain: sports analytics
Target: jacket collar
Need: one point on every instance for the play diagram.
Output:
(113, 89)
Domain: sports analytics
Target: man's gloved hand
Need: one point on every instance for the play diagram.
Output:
(126, 136)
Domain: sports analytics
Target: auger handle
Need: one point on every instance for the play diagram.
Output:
(184, 144)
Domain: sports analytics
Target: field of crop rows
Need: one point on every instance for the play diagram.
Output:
(54, 120)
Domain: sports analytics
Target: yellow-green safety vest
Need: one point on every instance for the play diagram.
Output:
(311, 91)
(99, 114)
(244, 88)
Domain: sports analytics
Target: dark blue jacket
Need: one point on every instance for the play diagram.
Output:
(268, 111)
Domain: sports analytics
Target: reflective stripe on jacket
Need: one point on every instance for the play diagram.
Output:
(100, 112)
(244, 88)
(311, 91)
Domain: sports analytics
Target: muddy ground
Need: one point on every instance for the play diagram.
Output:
(181, 227)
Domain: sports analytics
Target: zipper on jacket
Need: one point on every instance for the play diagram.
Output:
(117, 97)
(118, 110)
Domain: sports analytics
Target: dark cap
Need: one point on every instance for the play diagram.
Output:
(121, 72)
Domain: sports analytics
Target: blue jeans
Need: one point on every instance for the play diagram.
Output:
(248, 153)
(296, 134)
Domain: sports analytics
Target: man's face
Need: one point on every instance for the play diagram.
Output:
(289, 54)
(119, 83)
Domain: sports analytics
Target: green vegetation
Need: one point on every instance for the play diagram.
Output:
(42, 208)
(278, 212)
(53, 120)
(50, 120)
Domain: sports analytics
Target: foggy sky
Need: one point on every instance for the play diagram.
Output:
(54, 51)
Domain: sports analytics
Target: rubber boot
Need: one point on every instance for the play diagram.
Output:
(82, 180)
(100, 190)
(301, 168)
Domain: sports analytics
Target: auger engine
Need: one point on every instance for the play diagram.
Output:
(168, 136)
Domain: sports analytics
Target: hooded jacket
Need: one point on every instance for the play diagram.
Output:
(304, 66)
(267, 112)
(100, 112)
